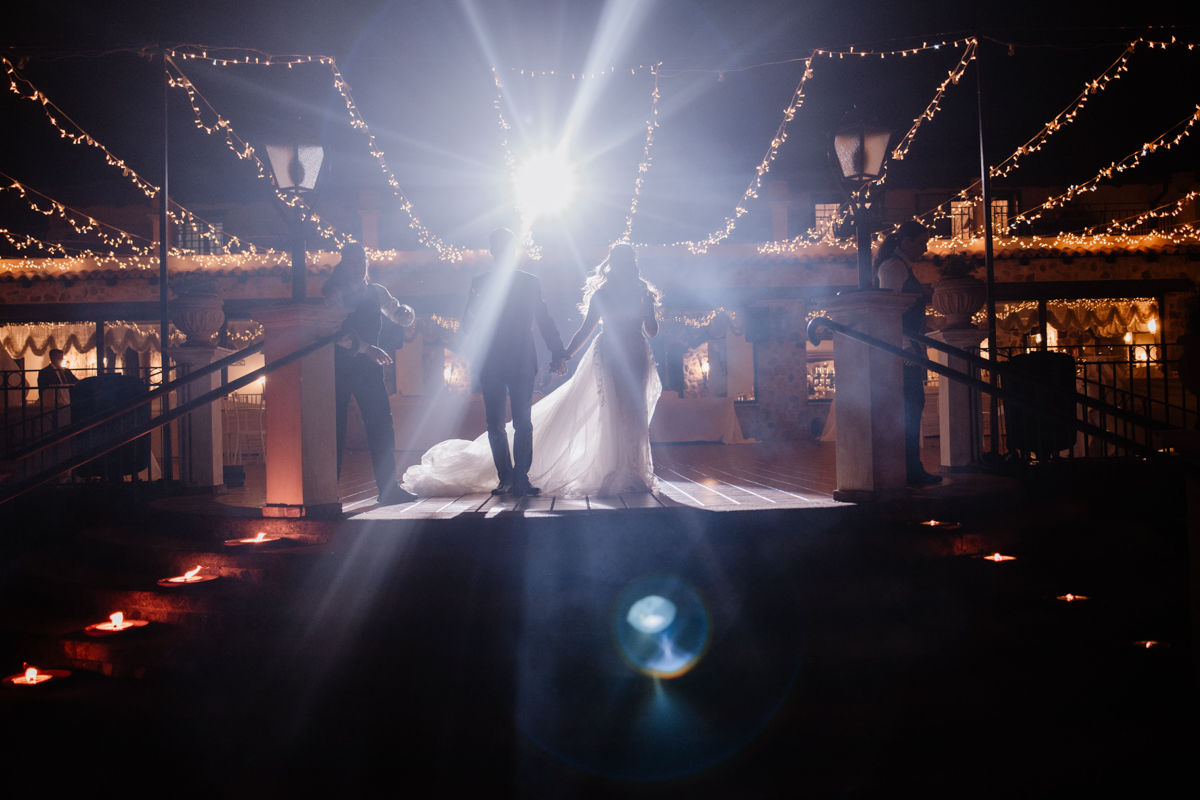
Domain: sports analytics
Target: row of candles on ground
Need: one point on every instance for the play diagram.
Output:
(32, 676)
(999, 558)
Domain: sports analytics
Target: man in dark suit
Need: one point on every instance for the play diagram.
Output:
(498, 329)
(54, 382)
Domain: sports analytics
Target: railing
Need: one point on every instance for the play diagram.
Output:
(29, 415)
(130, 428)
(1007, 394)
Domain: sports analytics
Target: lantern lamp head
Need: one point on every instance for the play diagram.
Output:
(861, 148)
(296, 166)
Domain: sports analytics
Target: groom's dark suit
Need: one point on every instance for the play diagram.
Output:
(500, 312)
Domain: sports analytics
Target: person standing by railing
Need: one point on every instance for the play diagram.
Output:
(894, 272)
(359, 361)
(54, 388)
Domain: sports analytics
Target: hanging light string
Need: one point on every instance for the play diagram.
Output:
(246, 152)
(1067, 115)
(763, 168)
(76, 136)
(1061, 120)
(1161, 212)
(582, 75)
(825, 234)
(510, 161)
(901, 150)
(644, 166)
(83, 224)
(1129, 162)
(424, 235)
(53, 113)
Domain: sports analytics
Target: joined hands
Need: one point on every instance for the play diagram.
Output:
(558, 367)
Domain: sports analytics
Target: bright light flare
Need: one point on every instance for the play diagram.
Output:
(545, 184)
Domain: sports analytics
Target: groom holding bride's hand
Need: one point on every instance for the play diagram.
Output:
(498, 327)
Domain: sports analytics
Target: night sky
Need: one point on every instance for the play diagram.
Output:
(421, 74)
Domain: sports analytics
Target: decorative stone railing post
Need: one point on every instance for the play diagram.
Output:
(300, 412)
(781, 376)
(958, 427)
(199, 313)
(870, 398)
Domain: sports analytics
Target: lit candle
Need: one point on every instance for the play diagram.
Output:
(191, 576)
(116, 623)
(1149, 644)
(998, 558)
(938, 523)
(261, 538)
(1071, 598)
(31, 677)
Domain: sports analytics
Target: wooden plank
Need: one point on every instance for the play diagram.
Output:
(538, 506)
(605, 504)
(641, 500)
(562, 504)
(461, 505)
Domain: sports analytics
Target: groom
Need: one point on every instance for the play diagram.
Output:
(497, 325)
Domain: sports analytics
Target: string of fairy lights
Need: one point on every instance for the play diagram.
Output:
(644, 165)
(1129, 162)
(764, 166)
(424, 234)
(825, 233)
(1064, 118)
(245, 151)
(510, 162)
(79, 135)
(233, 250)
(54, 113)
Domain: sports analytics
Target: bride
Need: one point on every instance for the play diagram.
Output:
(591, 436)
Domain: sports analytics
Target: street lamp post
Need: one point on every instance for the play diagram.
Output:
(296, 168)
(861, 149)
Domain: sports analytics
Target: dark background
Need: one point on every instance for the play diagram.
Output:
(421, 74)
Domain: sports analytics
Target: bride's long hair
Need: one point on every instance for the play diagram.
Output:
(623, 259)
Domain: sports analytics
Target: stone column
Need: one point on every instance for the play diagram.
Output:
(301, 457)
(870, 398)
(201, 432)
(780, 379)
(958, 431)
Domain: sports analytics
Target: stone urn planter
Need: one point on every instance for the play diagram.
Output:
(959, 299)
(197, 311)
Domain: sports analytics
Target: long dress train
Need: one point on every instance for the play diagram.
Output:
(590, 436)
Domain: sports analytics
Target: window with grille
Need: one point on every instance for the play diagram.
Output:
(1000, 217)
(962, 217)
(192, 237)
(825, 214)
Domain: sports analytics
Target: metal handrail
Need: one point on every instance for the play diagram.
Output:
(85, 425)
(1002, 368)
(167, 417)
(1006, 395)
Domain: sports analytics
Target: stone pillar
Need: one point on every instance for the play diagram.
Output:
(779, 210)
(780, 377)
(870, 398)
(957, 430)
(299, 400)
(201, 433)
(370, 228)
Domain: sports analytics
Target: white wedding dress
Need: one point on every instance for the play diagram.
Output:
(591, 435)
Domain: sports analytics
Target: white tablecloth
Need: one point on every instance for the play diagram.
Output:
(705, 419)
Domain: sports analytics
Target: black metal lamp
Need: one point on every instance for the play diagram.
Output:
(296, 168)
(861, 150)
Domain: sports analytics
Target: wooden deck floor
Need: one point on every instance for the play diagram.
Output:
(712, 477)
